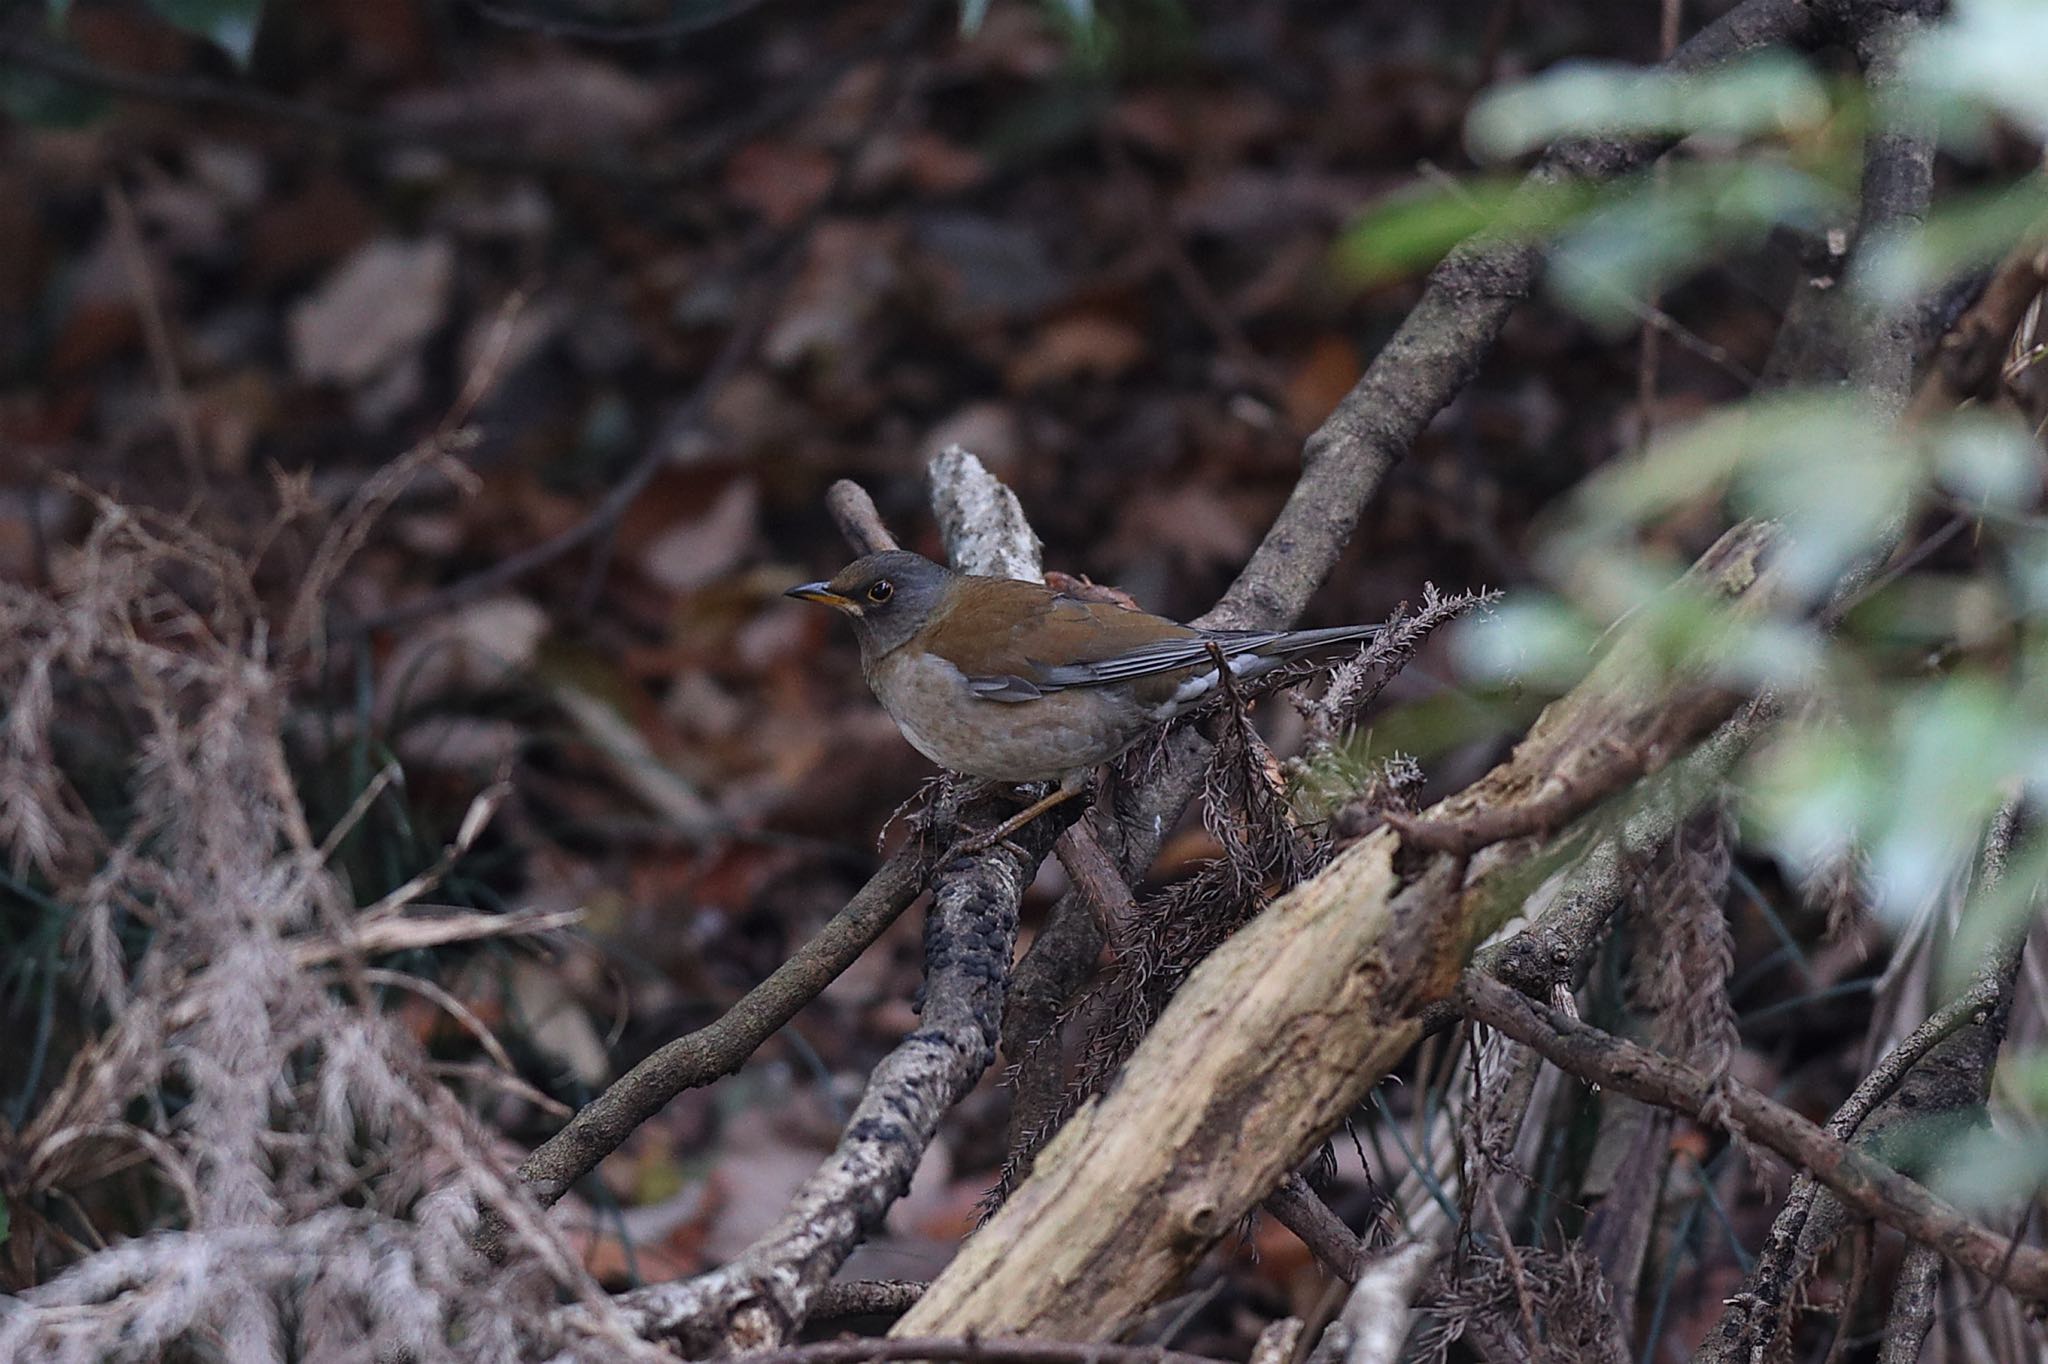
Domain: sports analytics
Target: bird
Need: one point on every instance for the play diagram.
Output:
(1014, 682)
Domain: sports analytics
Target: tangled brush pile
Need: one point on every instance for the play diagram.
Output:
(243, 1158)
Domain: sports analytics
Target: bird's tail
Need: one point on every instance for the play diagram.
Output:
(1306, 641)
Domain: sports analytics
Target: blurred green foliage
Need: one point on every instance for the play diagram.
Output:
(1906, 619)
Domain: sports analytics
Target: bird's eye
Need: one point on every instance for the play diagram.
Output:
(881, 591)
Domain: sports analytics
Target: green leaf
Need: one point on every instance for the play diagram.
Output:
(1836, 474)
(1971, 230)
(1810, 794)
(1642, 239)
(1773, 92)
(1988, 458)
(1994, 914)
(1956, 746)
(1987, 53)
(1411, 231)
(228, 24)
(1537, 640)
(1985, 1171)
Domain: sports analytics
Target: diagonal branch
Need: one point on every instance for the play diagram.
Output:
(761, 1298)
(1863, 1183)
(720, 1048)
(1439, 346)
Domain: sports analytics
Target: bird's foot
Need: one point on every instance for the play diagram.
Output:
(989, 838)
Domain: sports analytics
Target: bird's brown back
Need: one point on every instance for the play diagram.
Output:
(983, 633)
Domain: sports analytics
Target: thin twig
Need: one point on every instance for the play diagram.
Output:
(865, 1298)
(971, 1350)
(719, 1048)
(853, 511)
(1863, 1183)
(156, 333)
(1097, 876)
(1295, 1206)
(1546, 813)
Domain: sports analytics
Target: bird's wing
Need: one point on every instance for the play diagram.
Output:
(1016, 641)
(1160, 656)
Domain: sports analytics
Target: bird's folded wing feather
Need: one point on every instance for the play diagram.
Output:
(1162, 656)
(1049, 642)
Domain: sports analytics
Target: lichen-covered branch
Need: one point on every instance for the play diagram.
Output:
(760, 1298)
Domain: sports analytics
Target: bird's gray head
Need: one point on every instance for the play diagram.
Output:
(888, 596)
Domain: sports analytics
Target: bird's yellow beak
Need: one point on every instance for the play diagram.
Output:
(823, 593)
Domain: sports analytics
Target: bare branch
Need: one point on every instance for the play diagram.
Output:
(844, 1298)
(1572, 795)
(853, 511)
(971, 1350)
(1378, 1311)
(760, 1298)
(720, 1048)
(1295, 1206)
(1869, 1186)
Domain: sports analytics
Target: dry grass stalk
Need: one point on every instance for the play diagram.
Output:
(292, 1177)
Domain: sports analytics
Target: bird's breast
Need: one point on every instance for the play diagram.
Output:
(1011, 741)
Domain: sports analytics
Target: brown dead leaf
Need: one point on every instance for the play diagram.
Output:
(778, 180)
(560, 105)
(373, 312)
(850, 268)
(1320, 382)
(1193, 522)
(935, 165)
(1086, 344)
(990, 430)
(556, 1022)
(94, 331)
(703, 549)
(24, 247)
(230, 413)
(475, 647)
(1219, 127)
(321, 223)
(980, 269)
(1086, 589)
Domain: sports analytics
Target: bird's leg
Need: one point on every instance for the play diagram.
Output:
(1071, 785)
